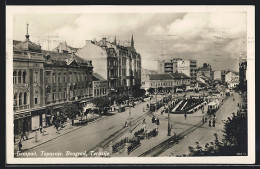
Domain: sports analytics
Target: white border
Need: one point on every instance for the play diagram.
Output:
(11, 10)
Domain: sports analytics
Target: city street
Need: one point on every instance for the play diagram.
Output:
(88, 137)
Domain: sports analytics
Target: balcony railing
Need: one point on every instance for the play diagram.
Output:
(21, 107)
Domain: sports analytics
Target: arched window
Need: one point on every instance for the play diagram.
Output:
(15, 99)
(24, 77)
(25, 98)
(15, 77)
(20, 99)
(19, 77)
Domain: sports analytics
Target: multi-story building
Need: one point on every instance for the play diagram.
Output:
(119, 65)
(166, 82)
(43, 81)
(100, 86)
(188, 67)
(206, 71)
(67, 78)
(146, 72)
(28, 85)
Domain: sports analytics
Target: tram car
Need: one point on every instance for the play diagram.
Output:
(213, 107)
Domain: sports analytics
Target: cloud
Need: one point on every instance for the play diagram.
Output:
(201, 36)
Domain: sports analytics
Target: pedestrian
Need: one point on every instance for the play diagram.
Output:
(206, 119)
(125, 123)
(209, 122)
(214, 121)
(144, 121)
(158, 122)
(153, 119)
(20, 145)
(203, 119)
(185, 116)
(40, 128)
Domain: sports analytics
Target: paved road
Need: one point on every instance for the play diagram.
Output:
(89, 136)
(205, 134)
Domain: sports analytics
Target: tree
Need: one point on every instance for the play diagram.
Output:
(101, 102)
(234, 142)
(71, 109)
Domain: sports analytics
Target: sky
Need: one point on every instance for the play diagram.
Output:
(215, 38)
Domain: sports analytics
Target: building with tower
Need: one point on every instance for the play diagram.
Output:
(43, 81)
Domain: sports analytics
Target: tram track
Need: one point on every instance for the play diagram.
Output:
(168, 143)
(105, 143)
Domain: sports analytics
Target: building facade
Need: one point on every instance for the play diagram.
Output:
(67, 78)
(119, 64)
(166, 82)
(188, 67)
(43, 81)
(100, 86)
(28, 85)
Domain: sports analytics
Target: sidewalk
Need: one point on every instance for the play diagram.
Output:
(50, 133)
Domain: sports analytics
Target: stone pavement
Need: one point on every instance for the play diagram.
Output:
(35, 138)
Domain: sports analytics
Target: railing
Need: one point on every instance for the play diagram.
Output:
(21, 107)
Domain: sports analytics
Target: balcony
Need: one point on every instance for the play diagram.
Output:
(22, 107)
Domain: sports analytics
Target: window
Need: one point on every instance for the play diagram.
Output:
(70, 77)
(53, 78)
(59, 96)
(19, 77)
(35, 77)
(25, 98)
(64, 77)
(59, 78)
(76, 77)
(48, 77)
(53, 95)
(65, 93)
(15, 99)
(24, 77)
(20, 99)
(35, 96)
(95, 92)
(14, 77)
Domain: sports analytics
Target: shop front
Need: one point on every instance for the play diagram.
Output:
(38, 118)
(22, 123)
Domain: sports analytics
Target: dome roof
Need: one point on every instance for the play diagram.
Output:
(28, 46)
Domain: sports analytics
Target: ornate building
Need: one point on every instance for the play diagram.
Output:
(43, 81)
(119, 64)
